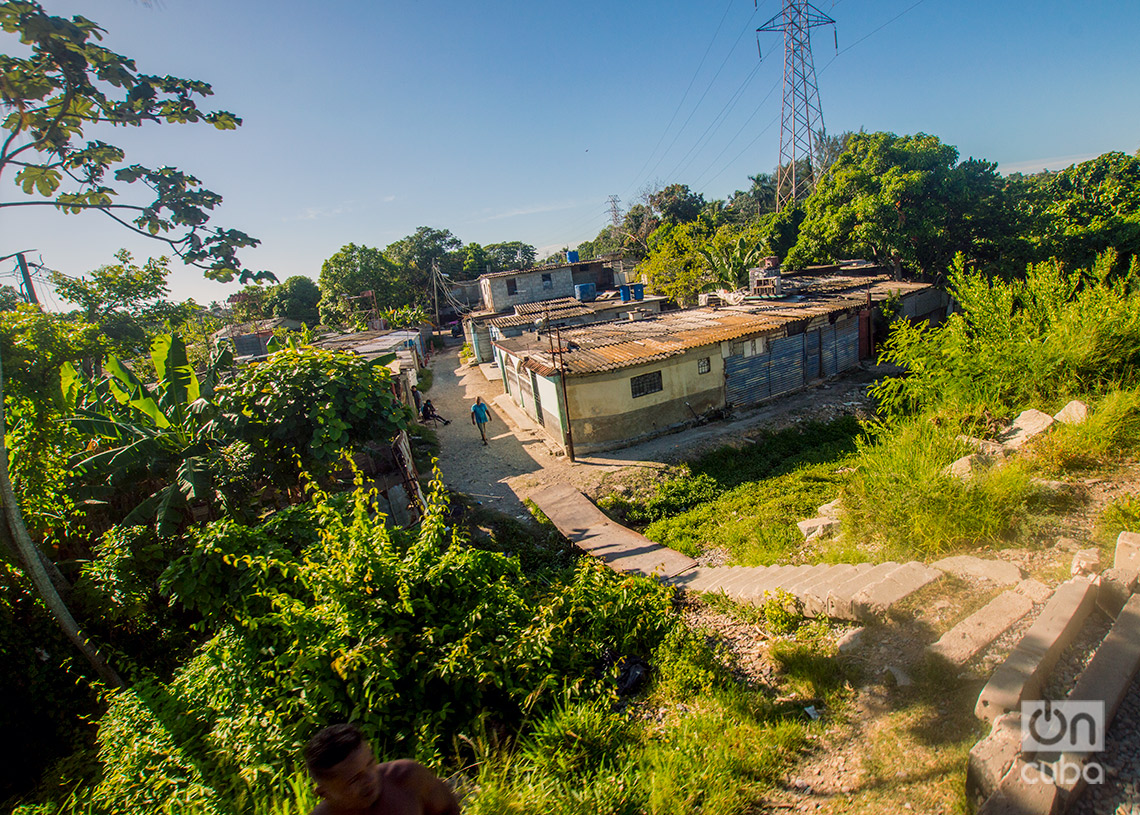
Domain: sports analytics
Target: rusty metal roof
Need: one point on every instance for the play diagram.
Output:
(625, 343)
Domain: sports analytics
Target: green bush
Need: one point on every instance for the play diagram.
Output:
(1110, 434)
(902, 502)
(322, 615)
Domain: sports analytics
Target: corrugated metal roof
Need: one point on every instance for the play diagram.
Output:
(623, 343)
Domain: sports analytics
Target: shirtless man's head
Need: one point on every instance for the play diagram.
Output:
(343, 768)
(350, 781)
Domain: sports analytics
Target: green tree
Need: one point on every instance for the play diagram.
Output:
(677, 204)
(903, 200)
(730, 254)
(297, 298)
(674, 266)
(69, 83)
(352, 271)
(510, 255)
(66, 86)
(475, 261)
(249, 304)
(414, 257)
(10, 298)
(126, 301)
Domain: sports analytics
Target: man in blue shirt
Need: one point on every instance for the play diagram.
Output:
(480, 415)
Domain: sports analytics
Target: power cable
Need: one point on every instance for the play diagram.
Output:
(842, 51)
(700, 182)
(685, 95)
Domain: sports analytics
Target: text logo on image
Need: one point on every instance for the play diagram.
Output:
(1057, 727)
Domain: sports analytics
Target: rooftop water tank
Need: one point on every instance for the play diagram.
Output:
(585, 292)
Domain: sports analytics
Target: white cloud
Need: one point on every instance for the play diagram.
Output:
(1036, 165)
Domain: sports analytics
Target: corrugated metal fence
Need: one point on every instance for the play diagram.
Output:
(792, 362)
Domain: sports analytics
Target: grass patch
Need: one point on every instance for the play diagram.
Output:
(1111, 434)
(901, 501)
(755, 522)
(424, 379)
(711, 476)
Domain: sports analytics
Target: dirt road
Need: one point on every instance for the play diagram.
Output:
(517, 461)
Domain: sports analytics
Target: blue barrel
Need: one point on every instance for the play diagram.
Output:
(586, 292)
(625, 296)
(638, 290)
(572, 256)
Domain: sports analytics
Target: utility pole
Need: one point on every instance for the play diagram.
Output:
(435, 287)
(801, 115)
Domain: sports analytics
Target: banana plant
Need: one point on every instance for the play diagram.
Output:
(163, 438)
(729, 263)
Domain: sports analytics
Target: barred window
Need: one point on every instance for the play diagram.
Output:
(512, 287)
(704, 365)
(645, 384)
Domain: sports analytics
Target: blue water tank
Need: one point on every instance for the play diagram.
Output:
(625, 295)
(586, 292)
(572, 256)
(638, 290)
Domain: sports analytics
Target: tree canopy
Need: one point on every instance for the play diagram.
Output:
(70, 83)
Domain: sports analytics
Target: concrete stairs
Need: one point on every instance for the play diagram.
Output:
(842, 591)
(1001, 777)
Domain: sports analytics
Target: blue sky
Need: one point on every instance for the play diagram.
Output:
(504, 120)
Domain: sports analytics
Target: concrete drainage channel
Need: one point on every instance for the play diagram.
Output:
(1039, 756)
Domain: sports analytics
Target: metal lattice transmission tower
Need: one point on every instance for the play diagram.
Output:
(801, 116)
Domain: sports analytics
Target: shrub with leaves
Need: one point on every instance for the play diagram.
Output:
(323, 615)
(312, 403)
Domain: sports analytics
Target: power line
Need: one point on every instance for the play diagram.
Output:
(685, 95)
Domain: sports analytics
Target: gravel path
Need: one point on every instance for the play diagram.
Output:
(518, 462)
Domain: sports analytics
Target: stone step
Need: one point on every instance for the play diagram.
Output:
(875, 600)
(814, 595)
(1113, 667)
(839, 599)
(734, 583)
(966, 639)
(696, 578)
(806, 578)
(967, 566)
(755, 591)
(1029, 664)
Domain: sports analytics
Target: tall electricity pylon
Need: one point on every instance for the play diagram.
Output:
(802, 116)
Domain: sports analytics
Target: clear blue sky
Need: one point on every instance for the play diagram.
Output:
(506, 120)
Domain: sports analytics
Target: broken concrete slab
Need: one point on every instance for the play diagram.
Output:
(1024, 790)
(1029, 664)
(1085, 562)
(1127, 551)
(876, 599)
(814, 525)
(830, 509)
(1115, 663)
(992, 757)
(1116, 587)
(1035, 590)
(966, 566)
(964, 467)
(850, 640)
(1076, 412)
(1028, 425)
(966, 639)
(990, 449)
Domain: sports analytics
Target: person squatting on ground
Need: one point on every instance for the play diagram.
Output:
(429, 414)
(350, 781)
(480, 415)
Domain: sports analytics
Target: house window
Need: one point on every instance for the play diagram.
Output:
(512, 287)
(547, 282)
(704, 365)
(645, 384)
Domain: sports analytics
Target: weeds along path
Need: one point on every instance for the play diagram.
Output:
(518, 462)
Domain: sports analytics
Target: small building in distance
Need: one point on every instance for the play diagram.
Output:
(636, 378)
(502, 291)
(251, 340)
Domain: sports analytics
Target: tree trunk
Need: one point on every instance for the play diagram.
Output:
(29, 558)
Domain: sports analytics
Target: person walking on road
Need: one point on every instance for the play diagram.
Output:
(480, 415)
